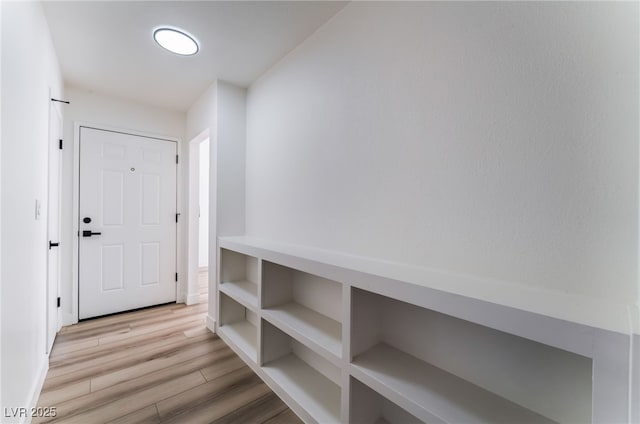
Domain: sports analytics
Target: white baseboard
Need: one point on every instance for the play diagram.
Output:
(181, 297)
(68, 319)
(211, 324)
(193, 299)
(37, 387)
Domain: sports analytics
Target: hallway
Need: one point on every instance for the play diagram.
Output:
(158, 365)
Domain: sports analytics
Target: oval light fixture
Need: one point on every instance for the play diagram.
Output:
(176, 41)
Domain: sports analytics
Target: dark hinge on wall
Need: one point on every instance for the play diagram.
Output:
(177, 215)
(60, 101)
(58, 302)
(176, 158)
(60, 146)
(176, 276)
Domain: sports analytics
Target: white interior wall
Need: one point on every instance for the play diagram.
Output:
(203, 196)
(221, 109)
(231, 128)
(29, 70)
(100, 109)
(202, 117)
(493, 139)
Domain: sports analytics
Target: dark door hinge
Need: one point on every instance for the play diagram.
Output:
(60, 145)
(176, 158)
(58, 302)
(176, 276)
(177, 216)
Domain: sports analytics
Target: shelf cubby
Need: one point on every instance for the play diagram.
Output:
(301, 375)
(239, 277)
(305, 306)
(238, 327)
(444, 369)
(369, 407)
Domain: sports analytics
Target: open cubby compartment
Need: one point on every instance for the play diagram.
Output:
(369, 407)
(238, 326)
(239, 277)
(305, 306)
(305, 380)
(441, 368)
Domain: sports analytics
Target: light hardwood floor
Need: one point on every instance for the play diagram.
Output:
(158, 365)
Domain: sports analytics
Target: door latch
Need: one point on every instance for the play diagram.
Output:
(52, 244)
(89, 233)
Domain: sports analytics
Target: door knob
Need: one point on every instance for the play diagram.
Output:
(89, 233)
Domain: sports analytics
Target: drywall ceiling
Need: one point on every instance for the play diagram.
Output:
(107, 46)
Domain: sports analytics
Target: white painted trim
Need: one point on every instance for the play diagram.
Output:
(182, 281)
(76, 213)
(211, 323)
(1, 337)
(68, 318)
(193, 179)
(214, 264)
(37, 387)
(76, 209)
(193, 299)
(54, 108)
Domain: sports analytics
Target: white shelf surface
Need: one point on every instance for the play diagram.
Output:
(312, 329)
(574, 308)
(315, 393)
(243, 335)
(431, 393)
(244, 292)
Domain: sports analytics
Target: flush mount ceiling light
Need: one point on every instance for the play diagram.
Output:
(176, 41)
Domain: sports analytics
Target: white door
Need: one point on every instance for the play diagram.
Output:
(127, 238)
(53, 224)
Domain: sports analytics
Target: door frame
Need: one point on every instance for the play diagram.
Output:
(192, 220)
(55, 112)
(75, 270)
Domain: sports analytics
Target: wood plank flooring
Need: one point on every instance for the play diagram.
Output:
(159, 365)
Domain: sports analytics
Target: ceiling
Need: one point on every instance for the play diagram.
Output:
(107, 46)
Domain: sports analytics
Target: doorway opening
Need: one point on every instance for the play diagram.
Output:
(201, 267)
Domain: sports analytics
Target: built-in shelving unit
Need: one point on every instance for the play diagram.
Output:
(339, 343)
(239, 277)
(441, 367)
(433, 394)
(238, 327)
(368, 406)
(304, 306)
(307, 378)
